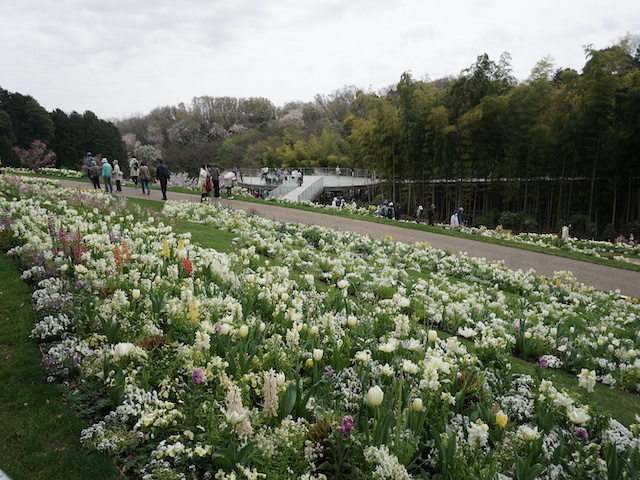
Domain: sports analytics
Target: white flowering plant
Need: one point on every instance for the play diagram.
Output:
(312, 353)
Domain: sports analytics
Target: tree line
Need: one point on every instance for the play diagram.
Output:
(23, 120)
(561, 146)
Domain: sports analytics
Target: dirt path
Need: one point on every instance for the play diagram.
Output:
(598, 276)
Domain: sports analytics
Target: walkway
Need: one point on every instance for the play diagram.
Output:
(598, 276)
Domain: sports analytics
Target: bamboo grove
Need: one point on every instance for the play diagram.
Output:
(559, 147)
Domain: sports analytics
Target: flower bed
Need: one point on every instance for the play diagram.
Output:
(310, 353)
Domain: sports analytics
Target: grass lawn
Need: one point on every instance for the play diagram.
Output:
(39, 432)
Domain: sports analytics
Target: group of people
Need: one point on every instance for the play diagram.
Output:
(138, 173)
(431, 214)
(340, 202)
(209, 179)
(279, 174)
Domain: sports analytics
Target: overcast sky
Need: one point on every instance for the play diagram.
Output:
(118, 58)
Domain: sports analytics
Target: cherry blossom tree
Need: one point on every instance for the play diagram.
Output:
(36, 157)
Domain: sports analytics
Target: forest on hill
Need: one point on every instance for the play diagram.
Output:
(560, 146)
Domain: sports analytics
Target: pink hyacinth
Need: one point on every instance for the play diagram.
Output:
(197, 376)
(347, 424)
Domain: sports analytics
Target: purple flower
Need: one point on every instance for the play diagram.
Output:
(516, 325)
(79, 284)
(329, 371)
(543, 363)
(196, 376)
(565, 340)
(347, 424)
(581, 433)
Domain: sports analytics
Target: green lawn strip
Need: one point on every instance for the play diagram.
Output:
(39, 432)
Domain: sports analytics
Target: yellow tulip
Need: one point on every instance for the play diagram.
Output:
(501, 419)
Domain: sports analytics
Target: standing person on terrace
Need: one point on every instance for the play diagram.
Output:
(107, 173)
(163, 175)
(145, 177)
(117, 175)
(460, 218)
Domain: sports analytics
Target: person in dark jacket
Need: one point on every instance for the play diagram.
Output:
(162, 174)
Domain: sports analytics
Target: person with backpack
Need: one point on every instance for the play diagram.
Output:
(87, 162)
(94, 175)
(163, 175)
(134, 170)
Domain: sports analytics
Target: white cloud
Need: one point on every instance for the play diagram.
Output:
(118, 58)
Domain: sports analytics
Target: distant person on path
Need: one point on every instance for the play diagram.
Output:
(94, 174)
(391, 211)
(564, 232)
(418, 214)
(397, 211)
(163, 175)
(204, 184)
(338, 171)
(107, 173)
(300, 178)
(228, 179)
(134, 170)
(117, 175)
(460, 218)
(453, 221)
(145, 177)
(215, 180)
(88, 161)
(431, 214)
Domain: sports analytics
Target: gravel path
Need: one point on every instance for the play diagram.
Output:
(598, 276)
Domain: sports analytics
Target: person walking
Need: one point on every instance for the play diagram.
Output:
(163, 175)
(460, 218)
(107, 173)
(145, 177)
(134, 170)
(94, 175)
(87, 162)
(418, 214)
(117, 175)
(431, 214)
(454, 223)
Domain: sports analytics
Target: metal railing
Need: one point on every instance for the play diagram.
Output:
(283, 189)
(311, 191)
(310, 171)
